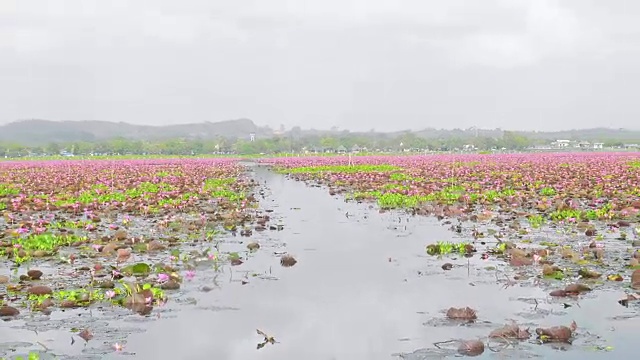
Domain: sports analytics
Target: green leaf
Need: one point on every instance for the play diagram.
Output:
(137, 269)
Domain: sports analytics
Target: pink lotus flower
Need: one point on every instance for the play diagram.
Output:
(536, 258)
(190, 274)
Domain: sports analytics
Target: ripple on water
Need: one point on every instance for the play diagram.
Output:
(217, 308)
(12, 345)
(445, 322)
(424, 354)
(53, 325)
(511, 350)
(539, 314)
(123, 331)
(81, 357)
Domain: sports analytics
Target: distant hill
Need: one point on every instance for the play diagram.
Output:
(38, 132)
(42, 132)
(596, 134)
(586, 134)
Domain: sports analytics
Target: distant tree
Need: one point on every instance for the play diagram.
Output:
(329, 142)
(53, 148)
(246, 147)
(513, 140)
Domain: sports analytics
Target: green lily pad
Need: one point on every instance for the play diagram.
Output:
(140, 247)
(557, 275)
(137, 269)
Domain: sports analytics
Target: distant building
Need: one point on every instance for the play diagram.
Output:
(561, 144)
(252, 137)
(584, 144)
(598, 145)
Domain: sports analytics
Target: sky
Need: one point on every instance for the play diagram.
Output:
(352, 64)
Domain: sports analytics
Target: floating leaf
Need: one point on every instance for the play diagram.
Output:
(557, 275)
(615, 277)
(139, 269)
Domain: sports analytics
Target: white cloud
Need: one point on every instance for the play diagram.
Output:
(297, 61)
(547, 30)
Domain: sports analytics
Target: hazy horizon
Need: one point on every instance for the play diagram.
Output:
(354, 64)
(287, 128)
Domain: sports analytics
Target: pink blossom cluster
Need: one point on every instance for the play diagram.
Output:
(544, 180)
(85, 186)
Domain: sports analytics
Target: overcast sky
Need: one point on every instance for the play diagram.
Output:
(355, 64)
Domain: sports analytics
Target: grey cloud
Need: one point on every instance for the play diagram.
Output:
(357, 64)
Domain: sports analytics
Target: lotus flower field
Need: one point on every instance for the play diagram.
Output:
(569, 222)
(556, 187)
(138, 236)
(110, 232)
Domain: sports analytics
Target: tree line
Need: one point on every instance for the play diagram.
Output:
(292, 143)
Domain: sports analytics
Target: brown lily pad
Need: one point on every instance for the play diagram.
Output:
(170, 285)
(635, 279)
(471, 347)
(34, 274)
(69, 304)
(465, 313)
(120, 235)
(40, 290)
(155, 245)
(588, 274)
(7, 311)
(556, 333)
(105, 284)
(40, 254)
(577, 288)
(288, 261)
(85, 335)
(558, 293)
(46, 303)
(517, 261)
(109, 248)
(512, 331)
